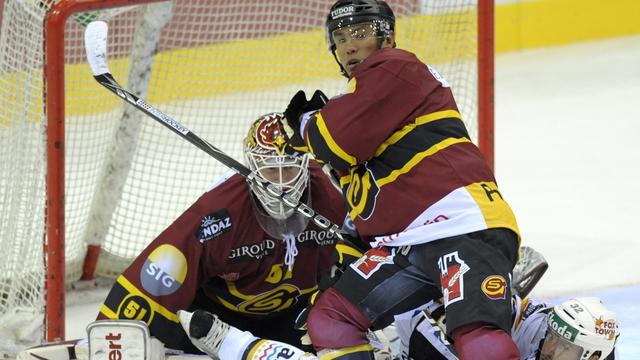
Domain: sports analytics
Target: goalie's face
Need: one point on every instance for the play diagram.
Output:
(264, 151)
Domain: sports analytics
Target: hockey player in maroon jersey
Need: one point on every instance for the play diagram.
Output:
(416, 187)
(237, 252)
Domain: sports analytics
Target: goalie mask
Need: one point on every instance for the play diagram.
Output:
(580, 329)
(265, 154)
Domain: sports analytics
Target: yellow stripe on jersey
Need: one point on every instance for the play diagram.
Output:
(108, 312)
(343, 249)
(497, 213)
(331, 143)
(520, 313)
(425, 119)
(331, 354)
(419, 157)
(351, 86)
(156, 307)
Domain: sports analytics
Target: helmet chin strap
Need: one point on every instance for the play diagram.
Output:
(342, 70)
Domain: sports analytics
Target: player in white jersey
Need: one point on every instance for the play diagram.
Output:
(577, 329)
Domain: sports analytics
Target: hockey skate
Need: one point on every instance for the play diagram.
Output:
(205, 330)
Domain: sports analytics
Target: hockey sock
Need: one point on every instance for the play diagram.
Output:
(480, 341)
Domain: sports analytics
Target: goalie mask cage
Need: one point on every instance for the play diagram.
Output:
(87, 181)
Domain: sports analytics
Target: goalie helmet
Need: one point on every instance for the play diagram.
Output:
(265, 155)
(580, 329)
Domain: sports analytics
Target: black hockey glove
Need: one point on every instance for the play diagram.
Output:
(298, 106)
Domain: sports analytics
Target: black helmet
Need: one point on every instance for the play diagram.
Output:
(348, 12)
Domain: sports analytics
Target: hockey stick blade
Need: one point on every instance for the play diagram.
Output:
(96, 47)
(95, 42)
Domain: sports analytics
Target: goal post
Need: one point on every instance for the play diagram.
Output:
(485, 90)
(54, 90)
(86, 181)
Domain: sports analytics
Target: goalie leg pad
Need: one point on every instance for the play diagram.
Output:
(261, 349)
(122, 339)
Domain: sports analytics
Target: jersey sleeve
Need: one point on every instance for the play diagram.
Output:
(163, 279)
(380, 99)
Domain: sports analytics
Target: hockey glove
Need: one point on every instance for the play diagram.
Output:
(299, 108)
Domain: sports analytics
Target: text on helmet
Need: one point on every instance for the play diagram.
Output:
(561, 328)
(343, 11)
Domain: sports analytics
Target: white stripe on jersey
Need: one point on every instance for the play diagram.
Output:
(455, 214)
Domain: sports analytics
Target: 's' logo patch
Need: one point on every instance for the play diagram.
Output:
(495, 287)
(452, 270)
(214, 225)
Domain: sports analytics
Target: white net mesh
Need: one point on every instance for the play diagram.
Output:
(214, 67)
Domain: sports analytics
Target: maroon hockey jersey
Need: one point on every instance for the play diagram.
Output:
(408, 169)
(218, 247)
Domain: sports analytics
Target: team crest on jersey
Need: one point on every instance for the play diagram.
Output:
(214, 225)
(361, 192)
(495, 287)
(452, 270)
(372, 261)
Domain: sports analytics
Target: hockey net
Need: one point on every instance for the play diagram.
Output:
(107, 177)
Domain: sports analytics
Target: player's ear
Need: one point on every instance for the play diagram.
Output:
(390, 40)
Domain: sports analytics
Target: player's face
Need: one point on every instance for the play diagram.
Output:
(354, 43)
(555, 348)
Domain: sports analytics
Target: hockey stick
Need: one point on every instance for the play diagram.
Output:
(96, 46)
